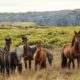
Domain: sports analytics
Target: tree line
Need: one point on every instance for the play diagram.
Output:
(56, 18)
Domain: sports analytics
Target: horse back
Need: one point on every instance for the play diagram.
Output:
(67, 50)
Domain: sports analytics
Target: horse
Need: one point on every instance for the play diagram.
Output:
(71, 51)
(4, 61)
(40, 57)
(8, 62)
(14, 63)
(2, 68)
(27, 53)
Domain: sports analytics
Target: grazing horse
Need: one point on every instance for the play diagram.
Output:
(29, 52)
(40, 56)
(71, 52)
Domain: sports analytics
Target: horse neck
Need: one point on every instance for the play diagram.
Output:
(26, 49)
(39, 51)
(72, 41)
(76, 48)
(24, 43)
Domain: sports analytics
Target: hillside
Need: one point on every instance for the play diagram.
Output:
(56, 18)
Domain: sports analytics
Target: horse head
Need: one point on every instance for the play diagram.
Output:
(76, 38)
(76, 42)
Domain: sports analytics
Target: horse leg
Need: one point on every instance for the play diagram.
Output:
(14, 68)
(11, 70)
(2, 70)
(7, 69)
(69, 63)
(44, 63)
(29, 64)
(35, 65)
(25, 62)
(78, 62)
(41, 65)
(73, 63)
(64, 61)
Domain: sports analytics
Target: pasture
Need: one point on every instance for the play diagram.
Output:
(53, 38)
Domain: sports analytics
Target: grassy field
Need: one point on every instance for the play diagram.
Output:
(53, 38)
(50, 36)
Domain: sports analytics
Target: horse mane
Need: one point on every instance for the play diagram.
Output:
(76, 46)
(73, 41)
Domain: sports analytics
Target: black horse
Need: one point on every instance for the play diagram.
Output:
(13, 62)
(8, 62)
(4, 61)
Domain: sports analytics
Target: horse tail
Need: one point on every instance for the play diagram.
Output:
(49, 55)
(64, 60)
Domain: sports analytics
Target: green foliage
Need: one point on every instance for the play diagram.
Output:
(56, 18)
(50, 36)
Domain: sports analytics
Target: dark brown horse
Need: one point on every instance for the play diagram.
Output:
(4, 61)
(40, 56)
(8, 62)
(71, 52)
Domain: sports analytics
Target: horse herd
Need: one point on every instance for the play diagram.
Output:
(9, 61)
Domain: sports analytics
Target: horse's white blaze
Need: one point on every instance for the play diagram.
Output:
(19, 52)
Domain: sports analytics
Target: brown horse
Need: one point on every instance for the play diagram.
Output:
(71, 52)
(40, 56)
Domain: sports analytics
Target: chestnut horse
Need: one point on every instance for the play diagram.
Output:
(40, 58)
(71, 52)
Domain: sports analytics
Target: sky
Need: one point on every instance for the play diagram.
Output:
(37, 5)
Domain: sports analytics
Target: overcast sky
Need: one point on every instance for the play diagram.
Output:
(37, 5)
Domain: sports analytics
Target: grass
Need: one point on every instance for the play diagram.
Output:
(53, 38)
(53, 72)
(50, 36)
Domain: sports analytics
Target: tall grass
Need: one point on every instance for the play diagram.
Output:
(51, 37)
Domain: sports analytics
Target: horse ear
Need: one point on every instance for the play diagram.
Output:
(75, 32)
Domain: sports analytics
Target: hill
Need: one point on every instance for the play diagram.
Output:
(56, 18)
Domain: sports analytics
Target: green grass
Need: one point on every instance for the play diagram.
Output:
(50, 36)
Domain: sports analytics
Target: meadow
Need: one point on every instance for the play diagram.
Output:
(52, 38)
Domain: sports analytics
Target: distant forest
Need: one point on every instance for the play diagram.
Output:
(56, 18)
